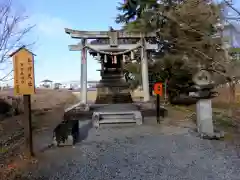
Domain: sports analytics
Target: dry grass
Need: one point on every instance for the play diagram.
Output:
(48, 108)
(222, 101)
(44, 98)
(42, 102)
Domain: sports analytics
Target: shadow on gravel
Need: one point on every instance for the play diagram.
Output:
(73, 129)
(153, 112)
(83, 129)
(77, 129)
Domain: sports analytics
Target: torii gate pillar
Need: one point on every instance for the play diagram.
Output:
(144, 70)
(83, 77)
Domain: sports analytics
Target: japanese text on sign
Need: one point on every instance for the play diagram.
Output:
(23, 73)
(158, 88)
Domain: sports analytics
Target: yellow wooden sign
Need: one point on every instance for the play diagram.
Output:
(23, 63)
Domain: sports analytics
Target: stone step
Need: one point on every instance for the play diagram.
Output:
(112, 80)
(113, 83)
(113, 115)
(114, 99)
(121, 87)
(116, 116)
(110, 69)
(110, 121)
(112, 76)
(109, 85)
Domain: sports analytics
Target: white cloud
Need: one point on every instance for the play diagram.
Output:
(48, 25)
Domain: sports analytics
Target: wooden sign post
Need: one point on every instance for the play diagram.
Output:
(158, 91)
(24, 84)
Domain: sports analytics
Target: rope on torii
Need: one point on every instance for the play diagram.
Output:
(138, 45)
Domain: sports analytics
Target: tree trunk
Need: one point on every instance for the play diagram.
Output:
(151, 90)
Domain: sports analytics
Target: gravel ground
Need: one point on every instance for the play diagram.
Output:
(139, 152)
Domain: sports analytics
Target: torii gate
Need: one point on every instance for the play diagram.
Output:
(113, 36)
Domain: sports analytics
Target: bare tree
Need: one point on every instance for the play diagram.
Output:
(230, 65)
(13, 30)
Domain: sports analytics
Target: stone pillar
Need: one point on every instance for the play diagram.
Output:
(144, 69)
(81, 79)
(84, 74)
(204, 117)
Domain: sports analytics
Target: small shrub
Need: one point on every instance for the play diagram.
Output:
(4, 107)
(11, 106)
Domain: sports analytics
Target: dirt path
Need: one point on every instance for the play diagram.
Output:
(46, 116)
(139, 152)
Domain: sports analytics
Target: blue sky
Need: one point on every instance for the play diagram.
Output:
(54, 61)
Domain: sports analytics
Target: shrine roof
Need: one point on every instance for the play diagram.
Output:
(47, 80)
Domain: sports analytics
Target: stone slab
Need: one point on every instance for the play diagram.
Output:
(204, 117)
(117, 108)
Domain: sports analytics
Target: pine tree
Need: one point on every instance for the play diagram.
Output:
(184, 32)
